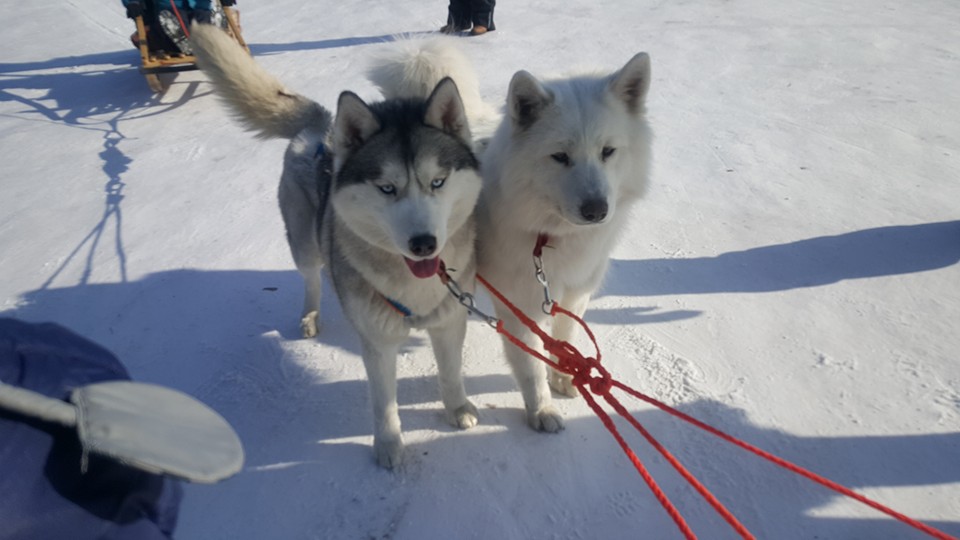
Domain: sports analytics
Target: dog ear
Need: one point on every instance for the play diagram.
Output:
(355, 123)
(445, 111)
(526, 99)
(631, 83)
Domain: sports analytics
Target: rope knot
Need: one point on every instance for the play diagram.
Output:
(603, 383)
(582, 369)
(599, 384)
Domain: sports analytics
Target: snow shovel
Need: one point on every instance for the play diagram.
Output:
(149, 427)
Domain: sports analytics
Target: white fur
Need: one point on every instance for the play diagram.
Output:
(527, 192)
(412, 68)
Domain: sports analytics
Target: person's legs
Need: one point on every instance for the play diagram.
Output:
(202, 11)
(458, 17)
(481, 15)
(202, 16)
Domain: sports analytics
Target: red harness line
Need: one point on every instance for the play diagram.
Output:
(186, 31)
(571, 361)
(806, 473)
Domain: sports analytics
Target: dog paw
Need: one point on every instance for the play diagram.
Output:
(547, 419)
(308, 325)
(465, 417)
(389, 452)
(562, 384)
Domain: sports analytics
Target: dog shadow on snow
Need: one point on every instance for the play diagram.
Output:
(592, 486)
(812, 262)
(187, 314)
(230, 338)
(323, 455)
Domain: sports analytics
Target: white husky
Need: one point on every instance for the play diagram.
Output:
(568, 160)
(378, 198)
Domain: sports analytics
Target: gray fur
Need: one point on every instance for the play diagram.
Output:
(339, 216)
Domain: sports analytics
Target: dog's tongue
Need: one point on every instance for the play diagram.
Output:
(425, 268)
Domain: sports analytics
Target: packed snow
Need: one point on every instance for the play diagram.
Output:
(791, 278)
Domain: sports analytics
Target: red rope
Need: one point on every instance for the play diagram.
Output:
(622, 411)
(647, 477)
(608, 423)
(173, 4)
(572, 362)
(810, 475)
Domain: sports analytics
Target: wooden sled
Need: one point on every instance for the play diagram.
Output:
(153, 63)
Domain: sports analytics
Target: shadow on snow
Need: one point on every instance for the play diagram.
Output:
(813, 262)
(228, 337)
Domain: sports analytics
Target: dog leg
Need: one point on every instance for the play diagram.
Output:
(531, 376)
(380, 361)
(311, 302)
(563, 329)
(298, 206)
(306, 255)
(447, 343)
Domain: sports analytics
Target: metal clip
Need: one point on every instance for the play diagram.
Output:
(467, 300)
(547, 305)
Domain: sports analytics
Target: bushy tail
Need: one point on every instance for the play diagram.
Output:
(257, 99)
(413, 67)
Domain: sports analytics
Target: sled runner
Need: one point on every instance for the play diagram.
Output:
(156, 60)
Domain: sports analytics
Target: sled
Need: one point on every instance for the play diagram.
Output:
(154, 63)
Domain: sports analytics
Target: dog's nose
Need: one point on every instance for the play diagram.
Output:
(594, 210)
(423, 245)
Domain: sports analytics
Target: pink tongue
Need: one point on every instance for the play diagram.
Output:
(425, 268)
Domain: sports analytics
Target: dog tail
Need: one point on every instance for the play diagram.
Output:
(257, 99)
(411, 68)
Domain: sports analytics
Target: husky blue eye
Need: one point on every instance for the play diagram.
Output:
(607, 152)
(561, 158)
(438, 182)
(387, 189)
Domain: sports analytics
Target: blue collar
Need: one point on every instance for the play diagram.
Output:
(398, 307)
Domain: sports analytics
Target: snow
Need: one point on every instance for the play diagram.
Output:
(791, 278)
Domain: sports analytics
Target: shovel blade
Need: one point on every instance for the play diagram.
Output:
(158, 430)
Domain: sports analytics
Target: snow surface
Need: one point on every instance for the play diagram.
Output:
(792, 277)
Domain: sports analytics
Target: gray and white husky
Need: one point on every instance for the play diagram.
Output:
(378, 195)
(568, 160)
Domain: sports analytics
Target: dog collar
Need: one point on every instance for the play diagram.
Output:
(397, 306)
(542, 240)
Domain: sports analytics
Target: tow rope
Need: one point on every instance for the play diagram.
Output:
(588, 373)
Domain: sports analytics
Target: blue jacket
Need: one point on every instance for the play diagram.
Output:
(43, 495)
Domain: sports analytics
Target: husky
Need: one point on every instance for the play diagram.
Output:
(568, 159)
(378, 195)
(567, 162)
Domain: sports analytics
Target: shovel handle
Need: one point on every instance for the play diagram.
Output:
(36, 405)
